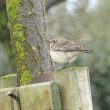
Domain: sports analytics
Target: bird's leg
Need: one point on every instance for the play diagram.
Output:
(64, 65)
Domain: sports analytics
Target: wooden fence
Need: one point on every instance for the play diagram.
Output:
(69, 91)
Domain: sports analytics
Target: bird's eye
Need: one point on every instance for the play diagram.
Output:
(79, 46)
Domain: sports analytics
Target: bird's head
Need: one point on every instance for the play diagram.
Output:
(55, 41)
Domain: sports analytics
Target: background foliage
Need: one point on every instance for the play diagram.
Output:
(6, 62)
(86, 24)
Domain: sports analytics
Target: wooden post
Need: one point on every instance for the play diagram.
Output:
(75, 88)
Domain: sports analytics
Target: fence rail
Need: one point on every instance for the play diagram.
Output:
(74, 94)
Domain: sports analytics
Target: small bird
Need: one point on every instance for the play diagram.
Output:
(65, 51)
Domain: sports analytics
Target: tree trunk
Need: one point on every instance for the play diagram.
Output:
(28, 30)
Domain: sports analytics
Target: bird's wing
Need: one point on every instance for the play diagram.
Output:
(67, 46)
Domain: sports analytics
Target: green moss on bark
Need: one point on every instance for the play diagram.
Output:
(25, 78)
(18, 37)
(19, 42)
(13, 8)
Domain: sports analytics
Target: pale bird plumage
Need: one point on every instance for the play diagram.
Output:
(64, 51)
(61, 57)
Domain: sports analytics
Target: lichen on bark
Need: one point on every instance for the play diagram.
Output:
(18, 41)
(12, 9)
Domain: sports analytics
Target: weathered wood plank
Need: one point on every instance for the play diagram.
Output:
(6, 103)
(8, 81)
(42, 96)
(75, 88)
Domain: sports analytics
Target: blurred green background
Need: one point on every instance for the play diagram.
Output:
(84, 21)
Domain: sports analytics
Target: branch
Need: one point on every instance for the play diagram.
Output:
(51, 3)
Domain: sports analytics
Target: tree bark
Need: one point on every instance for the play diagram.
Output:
(28, 30)
(50, 3)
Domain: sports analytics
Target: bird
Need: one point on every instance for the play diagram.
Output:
(64, 51)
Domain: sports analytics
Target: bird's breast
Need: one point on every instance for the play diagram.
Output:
(62, 57)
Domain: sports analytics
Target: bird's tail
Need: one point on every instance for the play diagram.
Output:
(88, 51)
